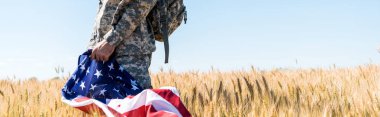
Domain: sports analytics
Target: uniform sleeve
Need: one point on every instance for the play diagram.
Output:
(134, 12)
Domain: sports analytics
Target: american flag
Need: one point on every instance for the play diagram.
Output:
(108, 89)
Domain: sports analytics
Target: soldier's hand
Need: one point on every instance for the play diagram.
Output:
(102, 51)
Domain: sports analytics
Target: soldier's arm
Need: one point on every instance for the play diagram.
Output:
(134, 13)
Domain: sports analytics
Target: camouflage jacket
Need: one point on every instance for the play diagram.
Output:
(131, 34)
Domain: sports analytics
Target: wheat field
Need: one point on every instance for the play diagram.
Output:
(317, 92)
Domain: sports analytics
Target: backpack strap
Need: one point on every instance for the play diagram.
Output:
(185, 15)
(164, 23)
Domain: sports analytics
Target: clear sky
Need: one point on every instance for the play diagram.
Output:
(38, 35)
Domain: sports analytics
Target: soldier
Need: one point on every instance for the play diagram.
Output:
(130, 38)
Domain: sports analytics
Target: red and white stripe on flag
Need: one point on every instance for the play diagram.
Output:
(162, 102)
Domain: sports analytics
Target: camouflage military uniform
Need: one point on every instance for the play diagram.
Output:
(133, 39)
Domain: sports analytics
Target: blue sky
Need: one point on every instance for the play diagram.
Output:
(37, 36)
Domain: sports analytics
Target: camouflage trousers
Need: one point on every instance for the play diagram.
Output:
(138, 67)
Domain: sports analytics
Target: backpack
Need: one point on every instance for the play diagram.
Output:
(164, 18)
